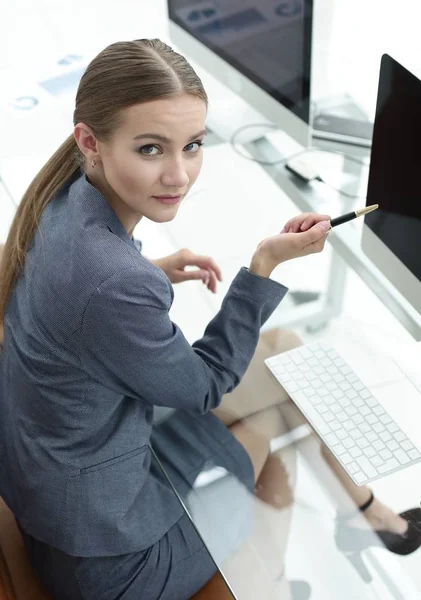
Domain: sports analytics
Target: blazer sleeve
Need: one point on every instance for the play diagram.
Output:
(130, 344)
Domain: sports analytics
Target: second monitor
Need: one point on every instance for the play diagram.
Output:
(392, 234)
(261, 51)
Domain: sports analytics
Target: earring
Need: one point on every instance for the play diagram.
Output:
(93, 163)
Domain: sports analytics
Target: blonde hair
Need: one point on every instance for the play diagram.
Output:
(123, 74)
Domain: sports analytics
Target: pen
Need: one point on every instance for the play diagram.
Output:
(353, 215)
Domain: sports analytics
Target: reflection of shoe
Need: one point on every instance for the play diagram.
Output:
(300, 590)
(352, 541)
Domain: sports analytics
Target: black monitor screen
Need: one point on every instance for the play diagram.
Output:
(268, 41)
(395, 170)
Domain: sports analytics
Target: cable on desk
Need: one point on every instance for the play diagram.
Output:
(281, 161)
(285, 160)
(342, 192)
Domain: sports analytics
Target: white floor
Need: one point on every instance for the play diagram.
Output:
(234, 204)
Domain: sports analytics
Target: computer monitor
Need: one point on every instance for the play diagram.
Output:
(260, 50)
(392, 234)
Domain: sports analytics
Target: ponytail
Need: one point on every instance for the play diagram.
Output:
(53, 175)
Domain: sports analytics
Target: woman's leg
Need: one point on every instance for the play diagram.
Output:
(272, 503)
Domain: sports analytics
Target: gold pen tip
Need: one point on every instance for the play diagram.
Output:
(366, 210)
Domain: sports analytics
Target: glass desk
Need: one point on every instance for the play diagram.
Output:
(267, 543)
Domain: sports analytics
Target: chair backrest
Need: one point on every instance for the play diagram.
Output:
(17, 580)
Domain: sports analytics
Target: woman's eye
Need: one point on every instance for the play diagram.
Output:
(149, 150)
(193, 147)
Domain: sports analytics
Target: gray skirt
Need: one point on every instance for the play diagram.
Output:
(213, 477)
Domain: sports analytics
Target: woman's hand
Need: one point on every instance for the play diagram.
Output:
(175, 264)
(302, 235)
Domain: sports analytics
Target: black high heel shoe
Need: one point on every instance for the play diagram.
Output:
(352, 541)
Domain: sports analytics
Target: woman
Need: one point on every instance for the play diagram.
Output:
(89, 349)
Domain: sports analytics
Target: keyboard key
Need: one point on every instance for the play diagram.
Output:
(414, 454)
(370, 452)
(392, 427)
(331, 386)
(362, 425)
(359, 477)
(378, 427)
(371, 436)
(339, 449)
(331, 439)
(402, 457)
(359, 420)
(388, 466)
(344, 385)
(353, 468)
(367, 467)
(344, 401)
(385, 454)
(297, 359)
(363, 443)
(393, 445)
(378, 445)
(355, 452)
(346, 458)
(376, 461)
(385, 436)
(329, 417)
(407, 445)
(385, 419)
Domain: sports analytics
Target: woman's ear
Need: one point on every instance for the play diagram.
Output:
(86, 141)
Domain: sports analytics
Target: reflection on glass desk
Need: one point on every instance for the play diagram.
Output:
(281, 538)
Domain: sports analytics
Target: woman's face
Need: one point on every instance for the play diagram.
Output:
(152, 159)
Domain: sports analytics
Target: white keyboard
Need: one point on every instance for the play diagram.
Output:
(356, 428)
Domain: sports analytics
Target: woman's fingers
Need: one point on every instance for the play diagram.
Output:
(303, 222)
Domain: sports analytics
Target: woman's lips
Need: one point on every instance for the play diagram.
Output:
(167, 199)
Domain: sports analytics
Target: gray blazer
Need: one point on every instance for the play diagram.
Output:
(89, 350)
